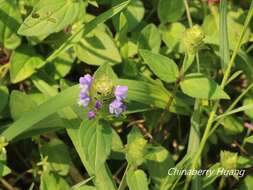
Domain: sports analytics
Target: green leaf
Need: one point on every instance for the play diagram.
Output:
(53, 181)
(232, 125)
(24, 62)
(49, 124)
(49, 17)
(98, 48)
(93, 2)
(159, 161)
(237, 110)
(20, 103)
(153, 95)
(248, 101)
(4, 96)
(249, 139)
(63, 64)
(137, 180)
(96, 140)
(223, 31)
(197, 85)
(66, 98)
(211, 29)
(244, 162)
(117, 144)
(170, 11)
(84, 30)
(246, 183)
(209, 179)
(4, 170)
(134, 14)
(85, 187)
(136, 148)
(58, 157)
(72, 119)
(150, 38)
(10, 19)
(171, 180)
(165, 68)
(172, 36)
(74, 38)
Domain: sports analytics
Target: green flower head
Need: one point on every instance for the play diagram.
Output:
(228, 159)
(193, 39)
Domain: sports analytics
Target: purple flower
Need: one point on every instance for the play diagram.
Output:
(91, 115)
(84, 100)
(98, 105)
(116, 107)
(85, 82)
(120, 92)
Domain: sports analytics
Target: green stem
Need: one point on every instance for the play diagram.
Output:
(194, 138)
(122, 184)
(188, 14)
(232, 106)
(222, 183)
(172, 96)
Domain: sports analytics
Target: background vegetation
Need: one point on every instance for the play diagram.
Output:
(188, 66)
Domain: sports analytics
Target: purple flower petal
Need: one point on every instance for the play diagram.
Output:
(85, 82)
(98, 105)
(91, 115)
(83, 95)
(84, 101)
(116, 107)
(120, 92)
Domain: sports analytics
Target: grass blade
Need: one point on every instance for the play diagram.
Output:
(223, 32)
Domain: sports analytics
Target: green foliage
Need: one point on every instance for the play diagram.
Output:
(96, 142)
(10, 19)
(165, 68)
(47, 17)
(24, 63)
(57, 157)
(98, 48)
(4, 96)
(198, 86)
(168, 84)
(137, 180)
(170, 11)
(136, 148)
(150, 38)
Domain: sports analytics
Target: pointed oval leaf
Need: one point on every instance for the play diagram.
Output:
(96, 140)
(163, 67)
(150, 38)
(4, 96)
(10, 19)
(24, 62)
(49, 17)
(170, 10)
(198, 85)
(137, 180)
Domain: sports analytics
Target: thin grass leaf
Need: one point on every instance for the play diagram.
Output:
(65, 98)
(223, 31)
(237, 110)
